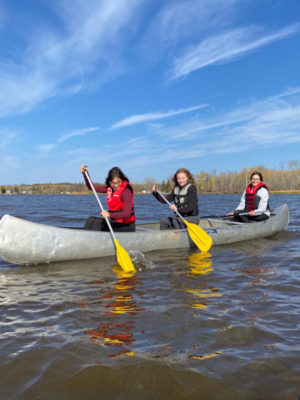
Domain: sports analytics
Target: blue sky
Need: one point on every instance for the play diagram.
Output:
(147, 85)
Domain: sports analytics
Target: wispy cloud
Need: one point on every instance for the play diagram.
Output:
(58, 61)
(270, 122)
(8, 162)
(223, 48)
(7, 136)
(140, 118)
(178, 21)
(78, 132)
(124, 152)
(45, 148)
(267, 123)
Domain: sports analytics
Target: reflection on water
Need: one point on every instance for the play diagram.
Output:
(199, 263)
(186, 326)
(198, 357)
(255, 302)
(116, 300)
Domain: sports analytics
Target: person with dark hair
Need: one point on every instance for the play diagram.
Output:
(120, 201)
(184, 196)
(254, 201)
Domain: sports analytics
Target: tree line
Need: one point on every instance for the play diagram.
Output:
(235, 182)
(225, 182)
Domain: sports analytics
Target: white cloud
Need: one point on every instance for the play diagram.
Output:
(263, 124)
(140, 118)
(266, 123)
(177, 21)
(223, 48)
(121, 155)
(78, 132)
(58, 59)
(8, 162)
(45, 148)
(271, 122)
(7, 136)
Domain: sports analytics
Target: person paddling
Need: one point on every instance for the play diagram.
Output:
(184, 196)
(254, 201)
(120, 201)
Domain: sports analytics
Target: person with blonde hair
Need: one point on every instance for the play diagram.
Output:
(184, 196)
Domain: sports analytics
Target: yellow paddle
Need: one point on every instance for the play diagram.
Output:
(201, 239)
(123, 258)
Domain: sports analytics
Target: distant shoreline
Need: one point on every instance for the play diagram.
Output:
(149, 193)
(278, 181)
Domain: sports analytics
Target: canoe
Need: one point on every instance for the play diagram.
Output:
(25, 243)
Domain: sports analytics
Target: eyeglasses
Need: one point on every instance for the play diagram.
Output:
(116, 182)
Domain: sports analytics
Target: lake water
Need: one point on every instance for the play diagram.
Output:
(224, 326)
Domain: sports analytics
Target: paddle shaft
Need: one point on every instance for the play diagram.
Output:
(223, 216)
(201, 239)
(100, 204)
(227, 216)
(123, 258)
(179, 215)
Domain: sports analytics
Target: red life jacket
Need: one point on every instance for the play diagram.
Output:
(114, 202)
(252, 199)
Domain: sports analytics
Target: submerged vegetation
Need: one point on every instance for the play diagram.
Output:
(278, 180)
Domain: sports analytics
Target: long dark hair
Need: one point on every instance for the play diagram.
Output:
(257, 173)
(115, 172)
(188, 174)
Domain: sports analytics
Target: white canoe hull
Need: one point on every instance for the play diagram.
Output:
(25, 243)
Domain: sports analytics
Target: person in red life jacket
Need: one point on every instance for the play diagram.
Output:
(120, 201)
(184, 196)
(254, 201)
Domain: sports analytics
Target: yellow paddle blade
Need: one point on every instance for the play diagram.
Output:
(201, 239)
(121, 273)
(123, 258)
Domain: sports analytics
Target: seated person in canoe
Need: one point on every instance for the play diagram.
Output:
(184, 196)
(120, 201)
(254, 201)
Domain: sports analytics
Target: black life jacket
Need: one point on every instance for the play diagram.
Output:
(181, 199)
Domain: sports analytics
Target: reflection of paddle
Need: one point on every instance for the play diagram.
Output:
(123, 258)
(201, 239)
(199, 263)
